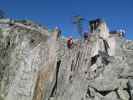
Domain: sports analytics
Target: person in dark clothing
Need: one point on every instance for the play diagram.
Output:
(69, 42)
(59, 31)
(86, 35)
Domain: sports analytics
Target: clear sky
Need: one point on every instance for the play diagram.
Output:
(117, 13)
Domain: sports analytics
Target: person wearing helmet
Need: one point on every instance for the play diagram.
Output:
(70, 42)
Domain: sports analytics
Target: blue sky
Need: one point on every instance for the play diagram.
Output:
(117, 13)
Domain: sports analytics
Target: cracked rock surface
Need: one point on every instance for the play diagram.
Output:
(36, 65)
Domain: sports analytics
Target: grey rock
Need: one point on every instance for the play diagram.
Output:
(123, 95)
(36, 65)
(130, 85)
(111, 96)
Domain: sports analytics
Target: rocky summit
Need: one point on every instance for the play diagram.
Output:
(36, 64)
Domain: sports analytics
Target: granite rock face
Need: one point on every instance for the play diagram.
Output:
(28, 56)
(37, 65)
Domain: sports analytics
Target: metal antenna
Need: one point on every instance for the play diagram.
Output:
(78, 21)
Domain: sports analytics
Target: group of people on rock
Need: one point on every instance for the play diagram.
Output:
(94, 24)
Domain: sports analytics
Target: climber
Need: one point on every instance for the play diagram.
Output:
(121, 32)
(59, 33)
(58, 30)
(91, 26)
(86, 35)
(70, 42)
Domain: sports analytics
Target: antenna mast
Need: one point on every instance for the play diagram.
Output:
(78, 21)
